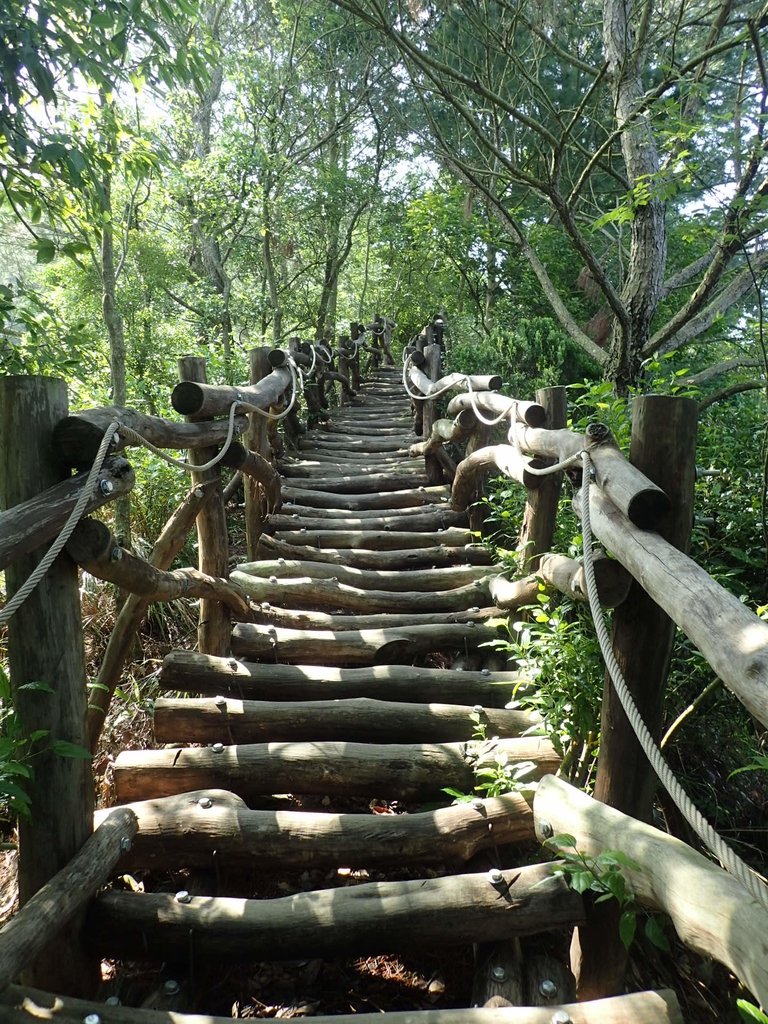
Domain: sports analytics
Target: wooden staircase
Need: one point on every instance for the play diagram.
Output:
(294, 809)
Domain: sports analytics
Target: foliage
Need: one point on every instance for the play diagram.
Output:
(751, 1013)
(602, 877)
(555, 648)
(18, 750)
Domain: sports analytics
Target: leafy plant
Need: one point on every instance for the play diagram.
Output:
(602, 876)
(751, 1013)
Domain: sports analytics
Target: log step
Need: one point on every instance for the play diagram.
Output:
(208, 719)
(423, 518)
(190, 672)
(374, 917)
(386, 540)
(313, 591)
(354, 647)
(190, 829)
(364, 558)
(358, 484)
(266, 614)
(392, 770)
(420, 580)
(402, 498)
(637, 1008)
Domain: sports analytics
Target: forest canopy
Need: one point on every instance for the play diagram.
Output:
(582, 183)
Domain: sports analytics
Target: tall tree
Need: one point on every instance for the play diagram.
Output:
(592, 116)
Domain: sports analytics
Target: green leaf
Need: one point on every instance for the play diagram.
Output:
(37, 687)
(45, 250)
(66, 749)
(627, 927)
(654, 932)
(750, 1013)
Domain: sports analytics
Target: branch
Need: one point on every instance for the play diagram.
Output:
(704, 376)
(738, 286)
(733, 389)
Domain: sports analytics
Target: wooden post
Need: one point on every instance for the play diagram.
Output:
(432, 370)
(354, 362)
(256, 441)
(47, 668)
(663, 447)
(540, 515)
(214, 629)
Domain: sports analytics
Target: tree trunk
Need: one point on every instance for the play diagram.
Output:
(648, 249)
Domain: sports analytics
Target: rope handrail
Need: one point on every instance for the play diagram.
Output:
(714, 842)
(407, 362)
(66, 531)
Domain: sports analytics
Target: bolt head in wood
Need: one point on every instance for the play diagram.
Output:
(205, 802)
(91, 1018)
(233, 664)
(547, 988)
(217, 748)
(495, 877)
(106, 486)
(478, 804)
(220, 702)
(546, 829)
(112, 1001)
(281, 561)
(273, 579)
(171, 987)
(478, 709)
(125, 844)
(183, 896)
(498, 973)
(561, 1017)
(116, 554)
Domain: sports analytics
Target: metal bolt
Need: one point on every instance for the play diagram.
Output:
(91, 1018)
(116, 554)
(273, 579)
(477, 583)
(265, 605)
(485, 671)
(547, 988)
(546, 829)
(112, 1001)
(294, 515)
(205, 802)
(498, 973)
(220, 702)
(171, 987)
(106, 486)
(303, 529)
(478, 709)
(233, 664)
(183, 897)
(217, 748)
(281, 561)
(199, 492)
(495, 877)
(125, 844)
(477, 804)
(561, 1017)
(474, 609)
